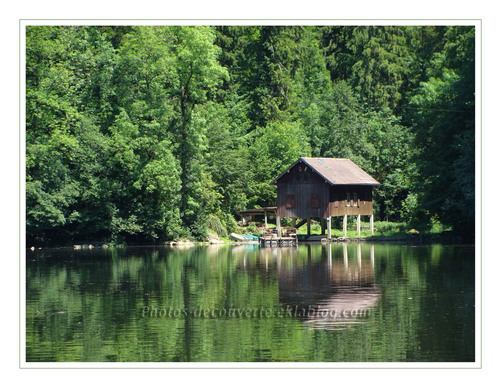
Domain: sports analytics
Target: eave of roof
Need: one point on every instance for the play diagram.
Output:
(346, 166)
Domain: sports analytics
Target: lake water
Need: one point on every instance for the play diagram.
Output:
(317, 303)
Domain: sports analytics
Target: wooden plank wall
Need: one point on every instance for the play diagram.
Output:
(305, 205)
(310, 190)
(363, 206)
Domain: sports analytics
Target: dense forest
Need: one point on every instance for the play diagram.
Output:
(152, 133)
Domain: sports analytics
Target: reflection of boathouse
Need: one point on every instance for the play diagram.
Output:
(328, 286)
(334, 292)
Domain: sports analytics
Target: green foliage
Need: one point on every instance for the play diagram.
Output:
(444, 118)
(274, 148)
(215, 224)
(252, 228)
(152, 133)
(373, 59)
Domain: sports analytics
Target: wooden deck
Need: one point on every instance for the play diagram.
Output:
(286, 236)
(279, 241)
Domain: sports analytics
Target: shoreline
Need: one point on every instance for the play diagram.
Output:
(315, 239)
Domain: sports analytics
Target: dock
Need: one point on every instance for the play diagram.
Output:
(284, 237)
(280, 241)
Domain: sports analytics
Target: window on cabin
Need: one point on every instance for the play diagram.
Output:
(290, 201)
(348, 199)
(315, 201)
(355, 199)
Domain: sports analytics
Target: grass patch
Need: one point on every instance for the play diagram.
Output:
(380, 228)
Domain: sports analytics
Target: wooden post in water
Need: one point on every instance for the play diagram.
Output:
(265, 219)
(358, 225)
(345, 225)
(308, 226)
(371, 224)
(329, 226)
(278, 225)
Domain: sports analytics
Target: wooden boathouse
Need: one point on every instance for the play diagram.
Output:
(324, 188)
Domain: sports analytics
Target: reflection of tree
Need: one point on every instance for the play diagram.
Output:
(88, 305)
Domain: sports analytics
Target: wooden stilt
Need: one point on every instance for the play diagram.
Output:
(278, 225)
(308, 226)
(294, 222)
(358, 225)
(329, 226)
(323, 226)
(265, 219)
(371, 224)
(345, 225)
(299, 224)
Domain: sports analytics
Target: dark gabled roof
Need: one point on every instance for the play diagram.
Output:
(336, 171)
